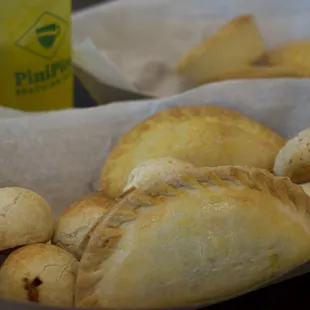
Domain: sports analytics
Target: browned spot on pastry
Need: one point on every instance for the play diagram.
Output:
(32, 288)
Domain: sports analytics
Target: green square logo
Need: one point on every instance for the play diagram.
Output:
(45, 36)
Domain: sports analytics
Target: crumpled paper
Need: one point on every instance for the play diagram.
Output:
(60, 154)
(135, 45)
(7, 112)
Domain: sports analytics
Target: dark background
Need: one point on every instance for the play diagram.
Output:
(292, 294)
(80, 4)
(82, 99)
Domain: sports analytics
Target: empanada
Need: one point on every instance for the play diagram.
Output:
(209, 235)
(25, 218)
(41, 273)
(204, 136)
(294, 54)
(293, 160)
(234, 47)
(77, 220)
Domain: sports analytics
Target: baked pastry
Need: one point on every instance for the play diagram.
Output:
(74, 224)
(25, 218)
(293, 54)
(234, 47)
(202, 237)
(152, 169)
(202, 135)
(306, 187)
(293, 160)
(41, 273)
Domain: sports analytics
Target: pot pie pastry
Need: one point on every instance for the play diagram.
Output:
(74, 224)
(206, 236)
(39, 273)
(293, 160)
(162, 167)
(25, 218)
(202, 135)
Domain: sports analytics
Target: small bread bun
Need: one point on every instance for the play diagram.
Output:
(25, 218)
(74, 224)
(293, 160)
(306, 187)
(152, 169)
(41, 273)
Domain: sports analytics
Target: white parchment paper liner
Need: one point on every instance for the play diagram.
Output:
(135, 45)
(60, 154)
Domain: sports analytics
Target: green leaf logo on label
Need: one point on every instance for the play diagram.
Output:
(48, 34)
(45, 35)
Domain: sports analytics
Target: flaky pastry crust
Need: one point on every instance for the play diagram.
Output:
(202, 135)
(202, 237)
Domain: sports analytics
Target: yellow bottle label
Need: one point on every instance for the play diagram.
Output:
(35, 54)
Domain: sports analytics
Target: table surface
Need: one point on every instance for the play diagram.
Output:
(292, 294)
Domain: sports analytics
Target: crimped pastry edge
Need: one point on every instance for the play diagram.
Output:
(107, 233)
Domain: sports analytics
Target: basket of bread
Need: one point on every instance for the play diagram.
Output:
(195, 205)
(178, 202)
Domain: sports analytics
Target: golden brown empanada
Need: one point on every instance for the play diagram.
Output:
(203, 136)
(207, 236)
(235, 46)
(293, 54)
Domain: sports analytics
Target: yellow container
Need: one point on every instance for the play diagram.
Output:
(35, 54)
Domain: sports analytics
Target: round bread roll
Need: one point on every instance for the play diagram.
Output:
(152, 169)
(41, 273)
(306, 187)
(25, 218)
(293, 160)
(74, 224)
